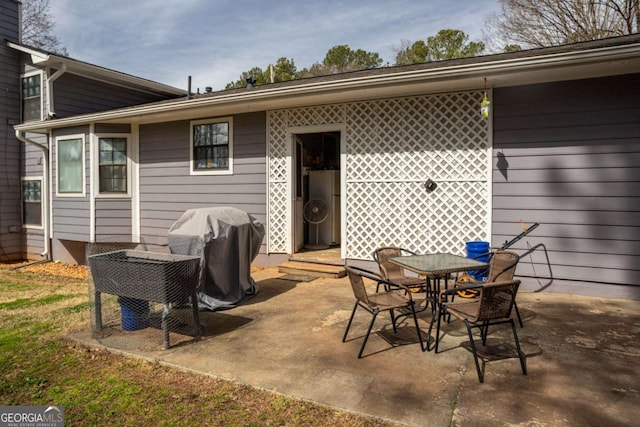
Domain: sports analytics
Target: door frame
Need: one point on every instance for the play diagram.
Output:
(291, 133)
(298, 206)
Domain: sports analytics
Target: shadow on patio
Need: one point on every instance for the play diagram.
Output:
(582, 355)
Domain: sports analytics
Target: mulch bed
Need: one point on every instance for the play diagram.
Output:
(52, 268)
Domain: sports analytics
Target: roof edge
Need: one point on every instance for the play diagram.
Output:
(500, 64)
(74, 66)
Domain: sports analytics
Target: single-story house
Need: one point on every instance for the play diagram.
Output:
(560, 146)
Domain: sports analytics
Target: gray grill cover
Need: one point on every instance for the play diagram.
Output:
(227, 240)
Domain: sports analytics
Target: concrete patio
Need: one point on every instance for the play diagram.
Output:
(583, 357)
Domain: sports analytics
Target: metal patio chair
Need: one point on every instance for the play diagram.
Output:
(493, 306)
(502, 266)
(393, 297)
(394, 272)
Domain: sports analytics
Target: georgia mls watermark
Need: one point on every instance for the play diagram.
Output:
(31, 416)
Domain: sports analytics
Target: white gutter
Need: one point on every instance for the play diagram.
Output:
(92, 187)
(44, 192)
(423, 75)
(50, 80)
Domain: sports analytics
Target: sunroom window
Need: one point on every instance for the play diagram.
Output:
(70, 166)
(113, 165)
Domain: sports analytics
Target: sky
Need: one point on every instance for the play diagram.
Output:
(214, 41)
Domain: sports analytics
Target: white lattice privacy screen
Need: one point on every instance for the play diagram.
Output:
(392, 147)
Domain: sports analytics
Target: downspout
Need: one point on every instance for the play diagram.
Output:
(50, 80)
(44, 193)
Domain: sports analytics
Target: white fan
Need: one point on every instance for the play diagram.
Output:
(315, 212)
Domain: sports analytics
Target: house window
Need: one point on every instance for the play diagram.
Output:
(70, 165)
(32, 202)
(31, 104)
(112, 164)
(212, 146)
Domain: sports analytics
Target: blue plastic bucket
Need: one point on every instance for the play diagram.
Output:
(134, 313)
(479, 251)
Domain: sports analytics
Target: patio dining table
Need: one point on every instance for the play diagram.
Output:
(437, 267)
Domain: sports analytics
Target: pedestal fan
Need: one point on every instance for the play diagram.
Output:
(316, 212)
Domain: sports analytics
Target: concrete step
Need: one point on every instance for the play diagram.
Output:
(314, 260)
(312, 269)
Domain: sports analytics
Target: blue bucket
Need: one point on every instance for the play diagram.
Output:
(134, 313)
(475, 250)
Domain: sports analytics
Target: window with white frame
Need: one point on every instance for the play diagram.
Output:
(70, 165)
(31, 97)
(212, 146)
(32, 202)
(111, 162)
(113, 165)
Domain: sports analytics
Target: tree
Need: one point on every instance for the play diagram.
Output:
(512, 48)
(37, 27)
(341, 59)
(540, 23)
(283, 70)
(256, 75)
(447, 44)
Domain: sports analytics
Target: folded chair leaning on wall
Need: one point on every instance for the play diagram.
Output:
(492, 306)
(394, 297)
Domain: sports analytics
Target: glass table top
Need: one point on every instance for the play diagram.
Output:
(438, 263)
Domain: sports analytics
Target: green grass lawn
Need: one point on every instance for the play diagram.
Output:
(40, 366)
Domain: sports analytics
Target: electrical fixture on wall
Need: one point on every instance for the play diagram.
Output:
(430, 185)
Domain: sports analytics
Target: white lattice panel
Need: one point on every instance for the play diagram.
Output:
(380, 213)
(278, 216)
(322, 115)
(278, 146)
(392, 147)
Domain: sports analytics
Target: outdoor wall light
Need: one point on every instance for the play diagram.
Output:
(430, 185)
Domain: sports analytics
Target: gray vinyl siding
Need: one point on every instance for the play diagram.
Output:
(112, 128)
(75, 94)
(34, 243)
(70, 220)
(70, 214)
(32, 166)
(113, 215)
(567, 155)
(11, 240)
(9, 20)
(113, 218)
(167, 189)
(32, 157)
